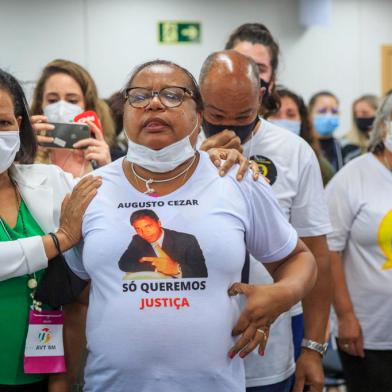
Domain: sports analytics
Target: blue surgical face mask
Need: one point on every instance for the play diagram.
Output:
(291, 125)
(325, 124)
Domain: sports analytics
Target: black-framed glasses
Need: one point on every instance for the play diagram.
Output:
(171, 97)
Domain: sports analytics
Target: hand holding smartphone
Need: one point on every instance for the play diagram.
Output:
(65, 135)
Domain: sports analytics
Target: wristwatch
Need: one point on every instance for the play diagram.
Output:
(312, 345)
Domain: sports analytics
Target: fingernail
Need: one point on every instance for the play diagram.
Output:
(231, 354)
(242, 355)
(217, 163)
(262, 353)
(222, 173)
(239, 177)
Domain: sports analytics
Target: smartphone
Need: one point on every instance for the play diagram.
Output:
(65, 135)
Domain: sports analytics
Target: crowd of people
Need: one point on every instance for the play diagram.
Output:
(204, 236)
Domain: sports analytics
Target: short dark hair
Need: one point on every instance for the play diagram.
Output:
(193, 86)
(257, 33)
(28, 139)
(143, 213)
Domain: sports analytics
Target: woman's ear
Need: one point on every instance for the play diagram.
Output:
(19, 120)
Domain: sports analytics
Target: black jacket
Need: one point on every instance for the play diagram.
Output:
(181, 247)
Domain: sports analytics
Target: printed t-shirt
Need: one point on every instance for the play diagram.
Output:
(172, 334)
(15, 302)
(360, 204)
(294, 173)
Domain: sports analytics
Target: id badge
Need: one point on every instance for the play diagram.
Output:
(44, 350)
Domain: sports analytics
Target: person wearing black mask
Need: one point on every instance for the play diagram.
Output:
(363, 111)
(255, 41)
(232, 96)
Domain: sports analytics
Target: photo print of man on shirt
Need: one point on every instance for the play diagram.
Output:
(160, 252)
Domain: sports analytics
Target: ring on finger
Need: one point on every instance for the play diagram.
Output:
(263, 333)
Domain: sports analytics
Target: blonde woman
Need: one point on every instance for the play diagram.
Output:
(360, 203)
(363, 113)
(64, 90)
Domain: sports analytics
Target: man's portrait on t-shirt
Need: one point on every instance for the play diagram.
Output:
(158, 252)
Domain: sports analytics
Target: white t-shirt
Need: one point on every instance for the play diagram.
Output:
(360, 203)
(172, 335)
(294, 173)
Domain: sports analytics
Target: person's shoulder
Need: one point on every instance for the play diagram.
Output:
(179, 234)
(136, 239)
(352, 172)
(209, 169)
(283, 140)
(38, 169)
(38, 174)
(356, 163)
(112, 168)
(349, 150)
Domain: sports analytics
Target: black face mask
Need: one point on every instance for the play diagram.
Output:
(264, 84)
(242, 131)
(364, 124)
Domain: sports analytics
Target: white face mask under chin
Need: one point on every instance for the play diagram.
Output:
(9, 146)
(388, 138)
(164, 160)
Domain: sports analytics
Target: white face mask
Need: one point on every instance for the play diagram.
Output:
(9, 146)
(62, 111)
(388, 137)
(164, 160)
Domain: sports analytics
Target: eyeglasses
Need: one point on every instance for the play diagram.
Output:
(170, 97)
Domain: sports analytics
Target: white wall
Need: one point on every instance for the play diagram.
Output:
(110, 37)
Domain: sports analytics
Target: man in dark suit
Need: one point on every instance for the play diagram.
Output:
(158, 249)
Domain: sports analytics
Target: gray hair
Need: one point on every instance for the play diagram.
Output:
(384, 113)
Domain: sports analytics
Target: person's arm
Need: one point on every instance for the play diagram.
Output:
(273, 241)
(294, 277)
(28, 255)
(194, 265)
(309, 216)
(58, 383)
(350, 333)
(316, 308)
(75, 337)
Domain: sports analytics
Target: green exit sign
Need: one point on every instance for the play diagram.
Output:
(173, 32)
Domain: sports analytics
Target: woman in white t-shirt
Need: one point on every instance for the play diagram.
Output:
(360, 201)
(164, 244)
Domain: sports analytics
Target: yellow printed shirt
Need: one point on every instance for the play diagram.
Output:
(360, 204)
